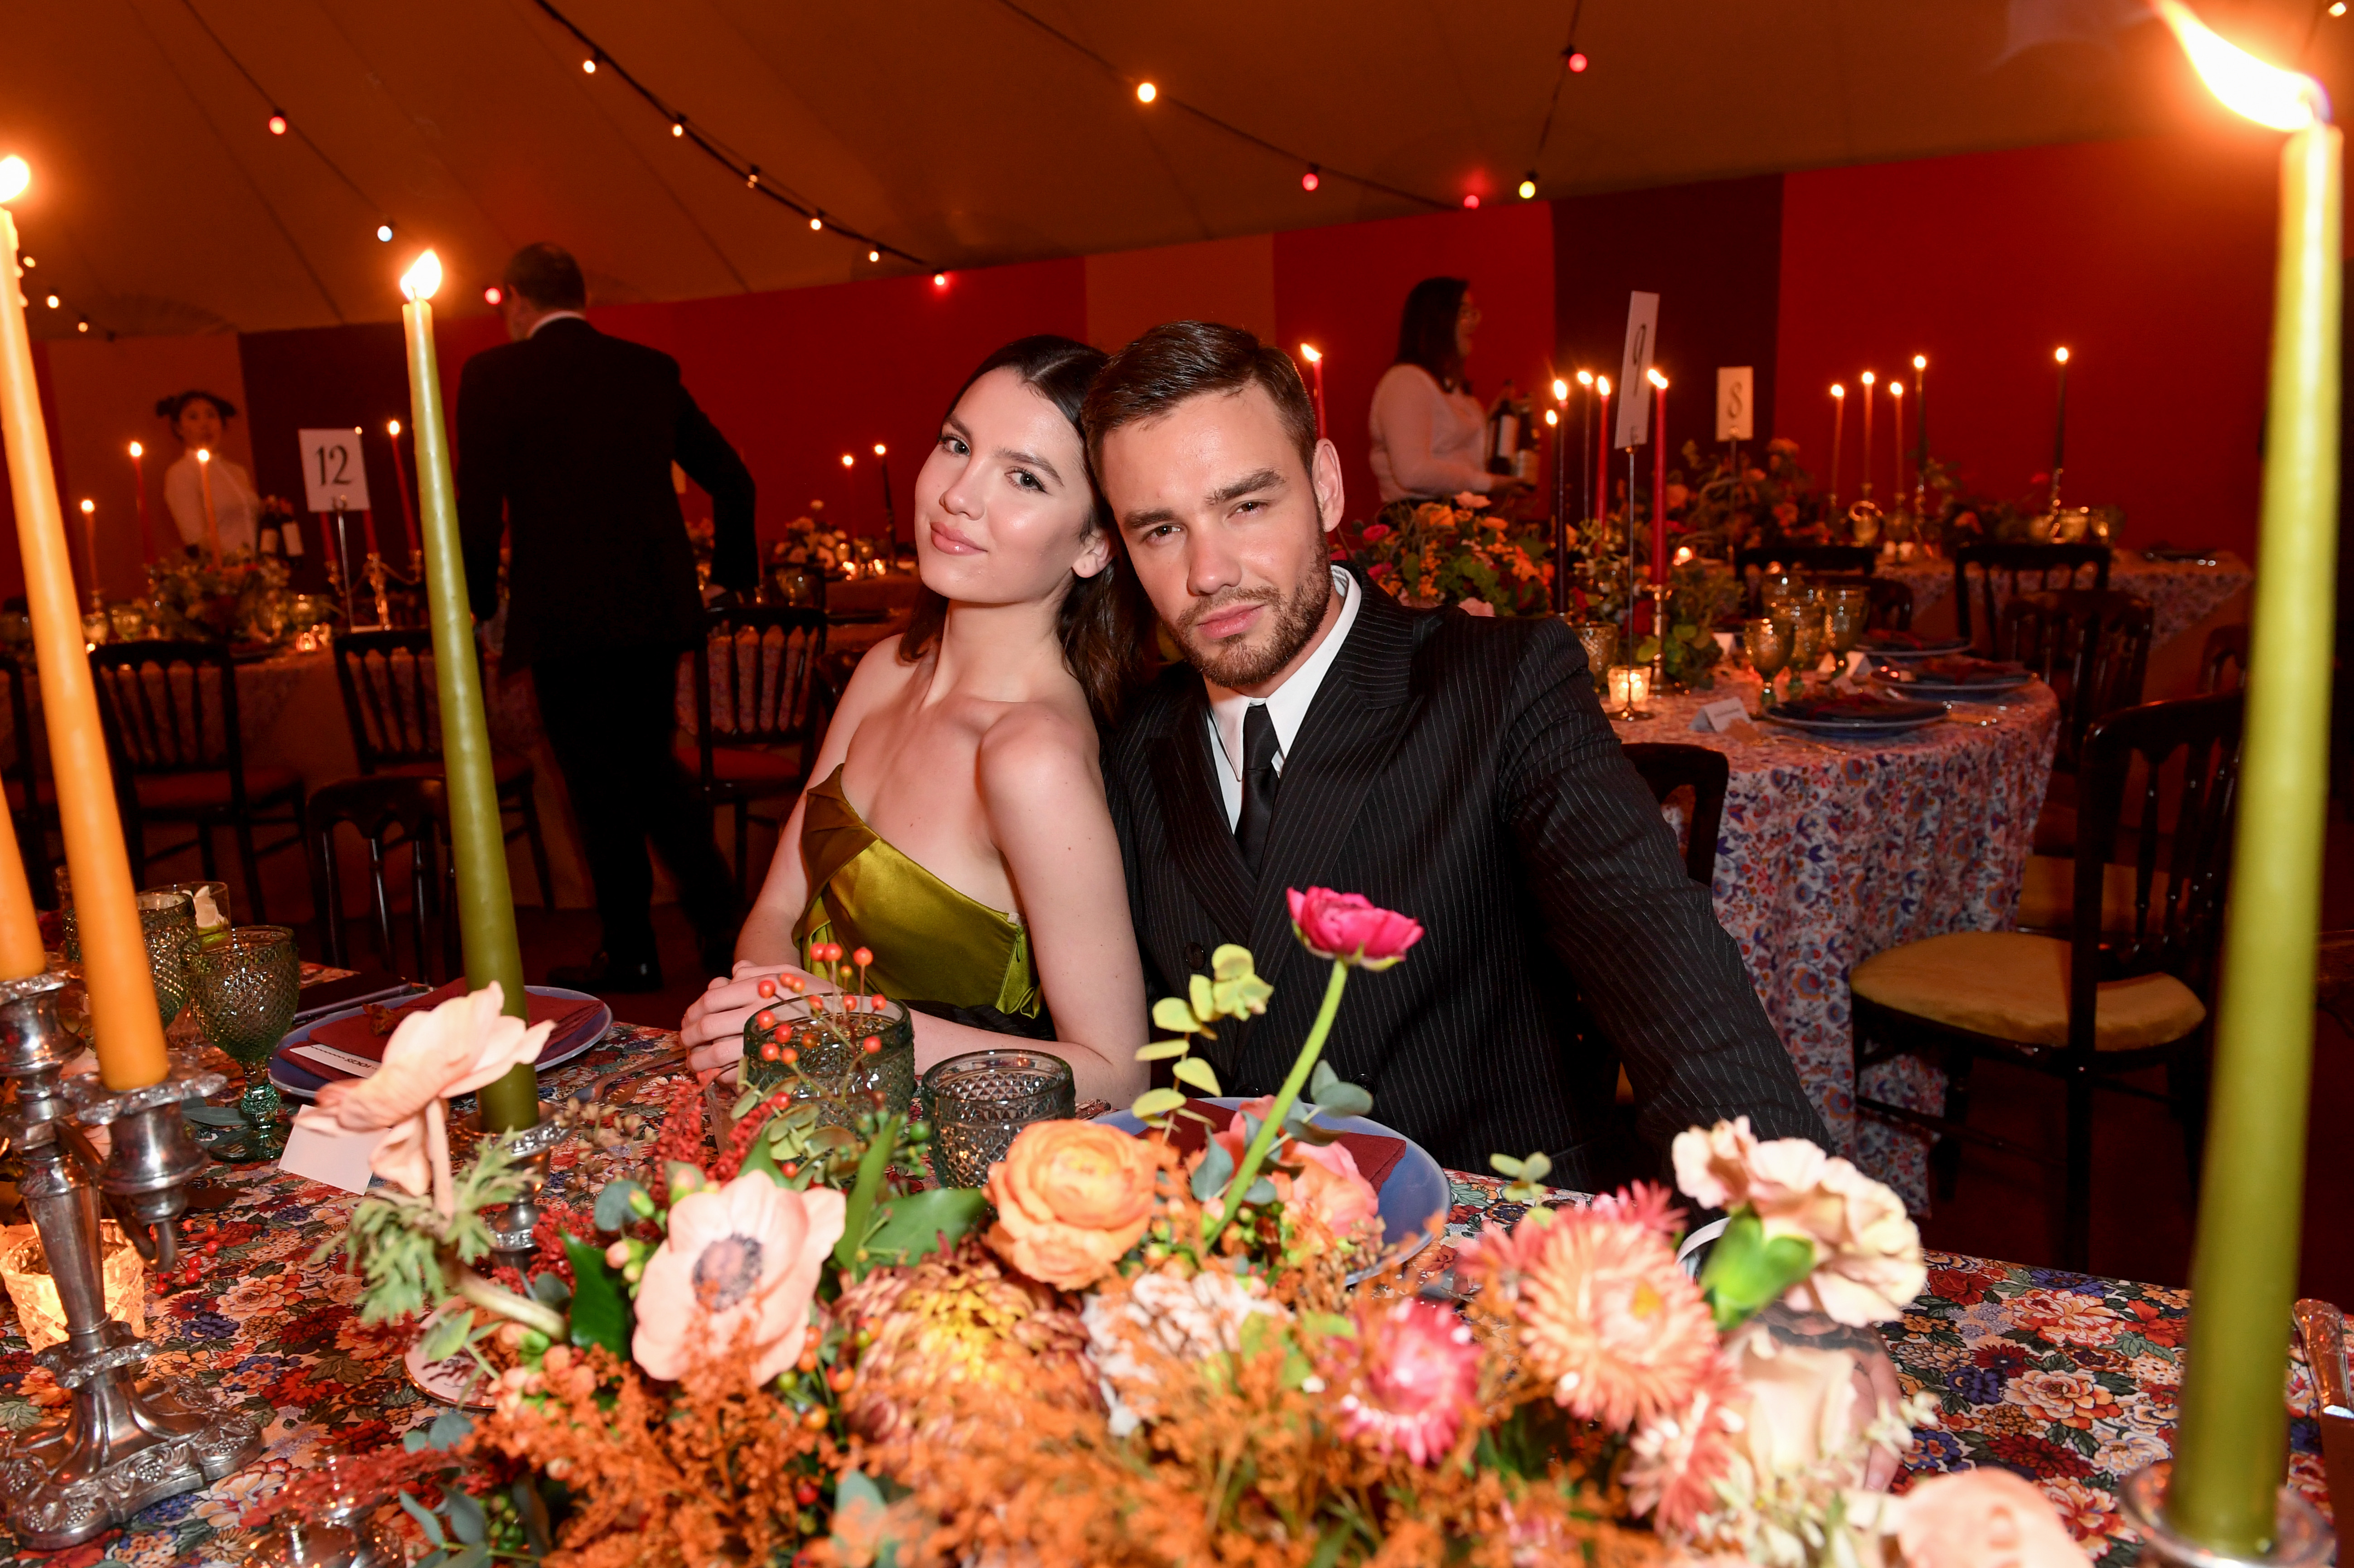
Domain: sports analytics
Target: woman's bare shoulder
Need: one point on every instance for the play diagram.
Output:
(1042, 750)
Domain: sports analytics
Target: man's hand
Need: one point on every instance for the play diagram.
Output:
(713, 1029)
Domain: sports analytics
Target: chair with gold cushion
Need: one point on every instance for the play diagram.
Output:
(2127, 988)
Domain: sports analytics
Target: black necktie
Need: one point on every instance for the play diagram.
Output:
(1259, 779)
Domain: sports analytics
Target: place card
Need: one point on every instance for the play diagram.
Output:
(1718, 716)
(338, 1160)
(328, 1056)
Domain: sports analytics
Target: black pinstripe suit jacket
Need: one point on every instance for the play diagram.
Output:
(1459, 770)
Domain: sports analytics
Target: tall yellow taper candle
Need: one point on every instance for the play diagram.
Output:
(114, 954)
(2230, 1448)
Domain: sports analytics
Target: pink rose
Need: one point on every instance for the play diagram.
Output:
(1346, 927)
(1377, 531)
(1982, 1516)
(1329, 1186)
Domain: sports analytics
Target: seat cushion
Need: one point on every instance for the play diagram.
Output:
(208, 789)
(506, 767)
(749, 766)
(2047, 894)
(2014, 986)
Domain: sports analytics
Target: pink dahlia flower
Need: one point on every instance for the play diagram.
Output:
(1419, 1375)
(735, 1273)
(1347, 926)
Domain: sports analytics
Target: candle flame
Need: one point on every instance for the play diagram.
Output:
(879, 449)
(1658, 380)
(2060, 355)
(2284, 100)
(1585, 379)
(138, 450)
(1896, 389)
(1553, 417)
(1683, 553)
(87, 506)
(1869, 378)
(1560, 390)
(1308, 351)
(419, 281)
(847, 460)
(203, 455)
(392, 427)
(1920, 362)
(14, 175)
(1837, 390)
(1602, 385)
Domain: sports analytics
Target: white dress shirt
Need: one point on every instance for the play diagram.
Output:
(554, 316)
(1287, 705)
(235, 502)
(1426, 440)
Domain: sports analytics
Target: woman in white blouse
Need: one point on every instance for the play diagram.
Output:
(197, 419)
(1427, 429)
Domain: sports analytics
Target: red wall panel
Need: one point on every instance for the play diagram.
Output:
(2150, 259)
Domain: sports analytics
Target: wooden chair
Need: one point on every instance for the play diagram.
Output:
(1668, 768)
(2017, 568)
(169, 710)
(1857, 559)
(2096, 1005)
(32, 799)
(758, 740)
(394, 709)
(1891, 600)
(2090, 646)
(389, 812)
(2223, 663)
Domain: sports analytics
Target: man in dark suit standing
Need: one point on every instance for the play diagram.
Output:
(1457, 769)
(565, 439)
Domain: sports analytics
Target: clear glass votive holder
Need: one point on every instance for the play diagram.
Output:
(209, 904)
(823, 1054)
(978, 1102)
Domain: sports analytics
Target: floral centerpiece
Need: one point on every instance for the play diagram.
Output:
(1726, 505)
(239, 596)
(1196, 1345)
(1460, 552)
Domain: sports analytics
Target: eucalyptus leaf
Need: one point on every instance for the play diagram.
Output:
(1232, 961)
(448, 1336)
(475, 1556)
(466, 1520)
(1320, 1079)
(1162, 1050)
(1261, 1192)
(1172, 1013)
(1157, 1102)
(425, 1518)
(614, 1209)
(1200, 1074)
(1344, 1099)
(1201, 996)
(1503, 1165)
(448, 1430)
(1217, 1168)
(549, 1290)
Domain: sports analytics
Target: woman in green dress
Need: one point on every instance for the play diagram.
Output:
(956, 824)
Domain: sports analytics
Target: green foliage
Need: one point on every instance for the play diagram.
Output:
(1528, 1175)
(600, 1311)
(402, 1245)
(851, 1254)
(1232, 988)
(907, 1228)
(618, 1202)
(1746, 1270)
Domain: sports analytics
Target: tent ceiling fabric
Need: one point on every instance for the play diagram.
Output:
(960, 130)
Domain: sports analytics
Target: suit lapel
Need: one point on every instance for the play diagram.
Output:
(1193, 808)
(1363, 705)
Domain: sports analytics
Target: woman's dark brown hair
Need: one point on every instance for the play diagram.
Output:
(1427, 330)
(169, 407)
(1103, 631)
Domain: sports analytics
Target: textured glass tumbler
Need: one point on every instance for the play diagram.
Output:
(1600, 641)
(168, 921)
(978, 1102)
(821, 1055)
(245, 988)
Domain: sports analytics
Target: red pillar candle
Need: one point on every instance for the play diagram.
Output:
(367, 522)
(1316, 366)
(1659, 477)
(1602, 451)
(400, 486)
(138, 487)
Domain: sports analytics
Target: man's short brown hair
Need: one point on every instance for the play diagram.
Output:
(548, 276)
(1180, 360)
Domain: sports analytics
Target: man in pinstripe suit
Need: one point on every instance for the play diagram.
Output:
(1457, 769)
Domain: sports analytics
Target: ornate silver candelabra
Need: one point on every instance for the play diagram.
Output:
(121, 1447)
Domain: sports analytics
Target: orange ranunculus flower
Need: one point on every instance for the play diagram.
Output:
(1072, 1197)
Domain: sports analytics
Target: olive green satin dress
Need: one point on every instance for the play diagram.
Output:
(930, 942)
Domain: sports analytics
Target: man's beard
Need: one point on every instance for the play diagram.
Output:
(1240, 664)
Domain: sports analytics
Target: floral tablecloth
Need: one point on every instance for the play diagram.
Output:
(1833, 851)
(2181, 593)
(2067, 1379)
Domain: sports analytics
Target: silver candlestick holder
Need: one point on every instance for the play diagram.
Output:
(513, 1243)
(122, 1446)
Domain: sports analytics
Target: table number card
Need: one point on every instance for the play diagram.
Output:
(1634, 427)
(334, 467)
(1736, 395)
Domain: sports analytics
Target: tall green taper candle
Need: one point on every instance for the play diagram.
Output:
(486, 922)
(2230, 1448)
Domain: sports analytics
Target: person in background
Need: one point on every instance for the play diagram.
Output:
(565, 439)
(1426, 427)
(200, 421)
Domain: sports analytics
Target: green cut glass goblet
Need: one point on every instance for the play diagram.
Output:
(1767, 642)
(167, 921)
(245, 989)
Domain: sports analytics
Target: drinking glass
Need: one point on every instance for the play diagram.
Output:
(246, 988)
(1600, 641)
(1849, 610)
(211, 901)
(1767, 642)
(830, 1060)
(168, 919)
(1806, 642)
(978, 1102)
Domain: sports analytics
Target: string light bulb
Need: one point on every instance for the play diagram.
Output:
(278, 123)
(491, 296)
(53, 301)
(14, 175)
(678, 127)
(1312, 178)
(752, 177)
(384, 233)
(1146, 92)
(83, 325)
(1529, 185)
(1471, 200)
(2337, 7)
(28, 260)
(816, 223)
(1578, 63)
(1553, 417)
(588, 66)
(939, 279)
(874, 255)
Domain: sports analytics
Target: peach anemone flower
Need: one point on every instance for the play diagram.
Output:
(434, 1055)
(736, 1275)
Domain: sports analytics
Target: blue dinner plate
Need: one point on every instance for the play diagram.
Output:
(1415, 1190)
(294, 1076)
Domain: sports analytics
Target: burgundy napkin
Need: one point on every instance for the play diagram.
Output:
(1962, 670)
(1376, 1156)
(356, 1036)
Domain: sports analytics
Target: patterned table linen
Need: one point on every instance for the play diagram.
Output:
(2181, 593)
(1833, 851)
(2066, 1378)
